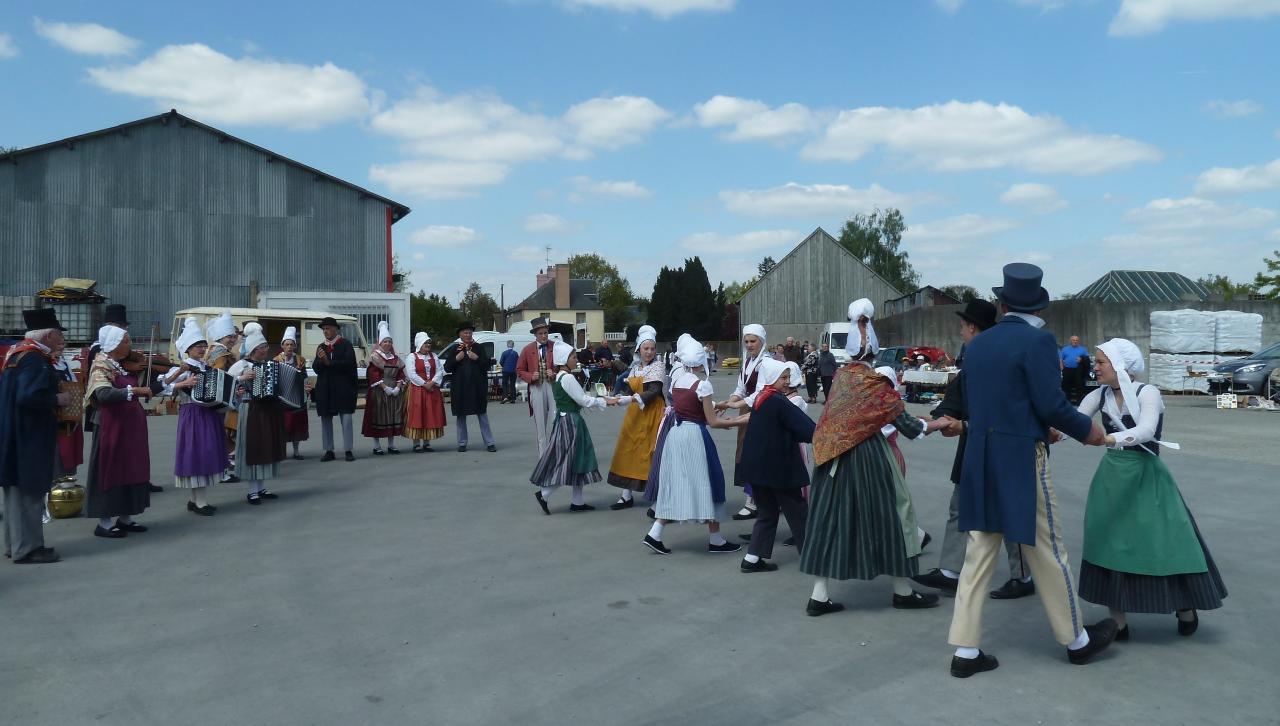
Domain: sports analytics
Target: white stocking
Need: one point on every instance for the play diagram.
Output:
(820, 590)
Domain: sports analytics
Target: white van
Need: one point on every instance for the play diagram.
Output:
(836, 335)
(273, 323)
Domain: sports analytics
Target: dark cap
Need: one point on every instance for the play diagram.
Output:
(41, 319)
(116, 315)
(326, 322)
(979, 312)
(1021, 291)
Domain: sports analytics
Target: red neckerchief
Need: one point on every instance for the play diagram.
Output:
(25, 346)
(337, 339)
(762, 395)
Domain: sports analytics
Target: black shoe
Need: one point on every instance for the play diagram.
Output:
(965, 667)
(760, 565)
(417, 448)
(789, 542)
(426, 448)
(656, 545)
(815, 608)
(1123, 633)
(268, 495)
(1185, 627)
(745, 537)
(927, 539)
(915, 601)
(154, 489)
(938, 581)
(298, 457)
(726, 547)
(207, 510)
(253, 498)
(739, 516)
(391, 450)
(462, 449)
(537, 494)
(491, 448)
(231, 479)
(581, 508)
(651, 514)
(623, 504)
(43, 555)
(378, 452)
(350, 456)
(1100, 636)
(328, 456)
(1014, 589)
(130, 527)
(114, 533)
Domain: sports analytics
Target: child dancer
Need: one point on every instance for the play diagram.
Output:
(201, 453)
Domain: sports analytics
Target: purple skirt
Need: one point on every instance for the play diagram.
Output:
(202, 442)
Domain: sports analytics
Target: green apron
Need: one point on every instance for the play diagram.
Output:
(1135, 520)
(584, 453)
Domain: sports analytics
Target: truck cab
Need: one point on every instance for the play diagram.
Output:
(273, 324)
(836, 335)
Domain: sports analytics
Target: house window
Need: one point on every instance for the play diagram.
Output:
(582, 317)
(545, 315)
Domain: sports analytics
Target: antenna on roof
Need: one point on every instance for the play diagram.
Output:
(548, 249)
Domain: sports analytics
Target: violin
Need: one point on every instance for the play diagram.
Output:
(137, 361)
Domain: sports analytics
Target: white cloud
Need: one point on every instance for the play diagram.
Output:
(1232, 109)
(951, 7)
(587, 187)
(808, 200)
(544, 223)
(1274, 235)
(659, 8)
(1192, 214)
(526, 253)
(1226, 180)
(752, 120)
(437, 179)
(1140, 17)
(474, 126)
(959, 136)
(961, 227)
(419, 257)
(716, 242)
(86, 38)
(8, 49)
(443, 235)
(611, 123)
(1039, 198)
(212, 87)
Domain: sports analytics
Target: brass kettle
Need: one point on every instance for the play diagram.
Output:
(66, 502)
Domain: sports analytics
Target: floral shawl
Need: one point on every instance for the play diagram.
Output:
(862, 401)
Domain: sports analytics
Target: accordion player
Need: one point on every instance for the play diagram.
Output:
(281, 382)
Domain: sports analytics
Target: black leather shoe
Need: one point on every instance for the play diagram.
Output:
(1187, 627)
(815, 608)
(253, 498)
(378, 452)
(1014, 589)
(738, 516)
(417, 448)
(268, 495)
(1123, 633)
(1100, 636)
(298, 457)
(207, 510)
(927, 539)
(726, 547)
(392, 451)
(492, 449)
(426, 448)
(656, 545)
(537, 494)
(965, 667)
(789, 542)
(42, 556)
(130, 527)
(114, 533)
(581, 508)
(623, 504)
(154, 489)
(915, 601)
(350, 456)
(745, 537)
(651, 514)
(761, 565)
(938, 581)
(328, 456)
(462, 449)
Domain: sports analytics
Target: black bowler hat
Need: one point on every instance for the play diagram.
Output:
(115, 315)
(326, 322)
(1021, 291)
(465, 325)
(41, 319)
(539, 322)
(979, 312)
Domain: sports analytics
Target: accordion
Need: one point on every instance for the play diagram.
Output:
(213, 389)
(281, 382)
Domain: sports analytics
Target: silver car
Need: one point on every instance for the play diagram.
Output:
(1249, 375)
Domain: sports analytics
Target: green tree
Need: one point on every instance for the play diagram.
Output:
(734, 291)
(963, 293)
(479, 307)
(614, 292)
(400, 277)
(433, 314)
(1222, 285)
(765, 265)
(875, 238)
(682, 302)
(1271, 278)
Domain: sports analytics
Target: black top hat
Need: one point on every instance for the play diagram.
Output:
(539, 322)
(115, 315)
(465, 325)
(979, 312)
(325, 322)
(41, 319)
(1021, 291)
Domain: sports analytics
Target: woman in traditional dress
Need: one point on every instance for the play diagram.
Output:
(222, 332)
(570, 458)
(1143, 552)
(70, 433)
(384, 406)
(753, 351)
(686, 483)
(120, 460)
(861, 520)
(425, 419)
(260, 437)
(201, 451)
(646, 378)
(296, 425)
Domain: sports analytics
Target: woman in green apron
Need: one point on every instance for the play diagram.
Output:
(1142, 550)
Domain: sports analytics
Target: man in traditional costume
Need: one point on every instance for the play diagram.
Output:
(29, 399)
(384, 402)
(335, 389)
(469, 386)
(646, 379)
(535, 369)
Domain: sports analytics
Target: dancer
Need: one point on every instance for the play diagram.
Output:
(120, 460)
(1143, 552)
(70, 433)
(261, 434)
(384, 402)
(1006, 492)
(570, 458)
(335, 389)
(469, 388)
(772, 456)
(200, 457)
(296, 424)
(535, 368)
(861, 520)
(220, 355)
(425, 419)
(753, 351)
(629, 469)
(686, 482)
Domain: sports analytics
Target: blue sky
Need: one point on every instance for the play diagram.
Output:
(1084, 135)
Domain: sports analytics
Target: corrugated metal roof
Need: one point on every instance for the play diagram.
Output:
(1144, 286)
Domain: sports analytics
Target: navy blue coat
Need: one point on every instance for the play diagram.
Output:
(28, 424)
(1013, 390)
(771, 446)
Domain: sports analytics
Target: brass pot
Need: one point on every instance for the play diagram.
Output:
(66, 502)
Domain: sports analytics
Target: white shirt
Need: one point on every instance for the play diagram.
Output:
(574, 389)
(748, 368)
(1035, 321)
(1152, 405)
(687, 379)
(411, 368)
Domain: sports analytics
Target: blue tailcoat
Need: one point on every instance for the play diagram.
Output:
(1013, 388)
(28, 424)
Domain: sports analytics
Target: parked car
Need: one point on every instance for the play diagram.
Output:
(892, 357)
(1249, 375)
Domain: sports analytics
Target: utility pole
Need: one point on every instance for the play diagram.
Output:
(502, 304)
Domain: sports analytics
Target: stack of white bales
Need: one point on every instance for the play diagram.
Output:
(1183, 340)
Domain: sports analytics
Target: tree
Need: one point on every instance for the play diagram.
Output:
(433, 314)
(734, 291)
(874, 239)
(1222, 285)
(765, 265)
(479, 307)
(683, 302)
(399, 275)
(613, 290)
(1271, 279)
(963, 293)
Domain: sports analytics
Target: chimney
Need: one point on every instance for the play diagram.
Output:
(562, 287)
(544, 276)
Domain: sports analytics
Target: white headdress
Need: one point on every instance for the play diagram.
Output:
(770, 371)
(110, 337)
(691, 353)
(859, 308)
(646, 332)
(418, 340)
(253, 337)
(1126, 359)
(221, 326)
(890, 373)
(747, 361)
(384, 330)
(560, 354)
(191, 334)
(797, 378)
(290, 333)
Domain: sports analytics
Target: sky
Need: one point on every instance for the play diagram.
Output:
(1081, 135)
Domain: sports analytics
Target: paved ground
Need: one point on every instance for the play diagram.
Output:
(429, 589)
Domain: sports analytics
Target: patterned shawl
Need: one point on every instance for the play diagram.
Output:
(102, 374)
(861, 402)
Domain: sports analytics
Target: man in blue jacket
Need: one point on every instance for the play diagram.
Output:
(1012, 387)
(508, 361)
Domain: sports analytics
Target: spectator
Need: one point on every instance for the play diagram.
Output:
(604, 359)
(1072, 371)
(826, 370)
(780, 353)
(508, 361)
(586, 358)
(810, 370)
(625, 358)
(711, 357)
(792, 353)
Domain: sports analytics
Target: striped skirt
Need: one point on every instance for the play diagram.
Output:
(690, 480)
(570, 458)
(1161, 594)
(859, 513)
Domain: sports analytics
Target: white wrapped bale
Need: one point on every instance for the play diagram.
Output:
(1168, 371)
(1237, 332)
(1183, 331)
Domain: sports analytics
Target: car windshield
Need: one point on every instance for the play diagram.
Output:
(838, 340)
(1272, 352)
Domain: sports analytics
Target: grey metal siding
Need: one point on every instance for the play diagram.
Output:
(168, 216)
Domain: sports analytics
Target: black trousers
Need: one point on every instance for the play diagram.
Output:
(1073, 384)
(770, 503)
(811, 384)
(508, 386)
(826, 388)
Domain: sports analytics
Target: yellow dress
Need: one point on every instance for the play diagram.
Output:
(630, 466)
